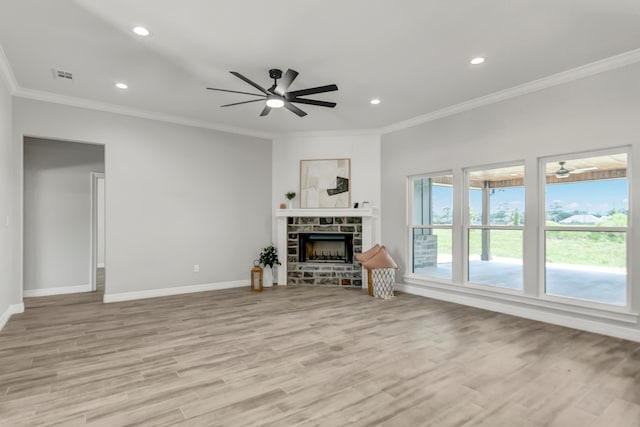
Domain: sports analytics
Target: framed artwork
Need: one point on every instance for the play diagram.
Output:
(325, 183)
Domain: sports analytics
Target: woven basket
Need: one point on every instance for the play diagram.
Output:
(383, 280)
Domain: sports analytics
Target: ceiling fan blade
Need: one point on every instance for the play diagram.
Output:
(235, 91)
(286, 81)
(244, 79)
(243, 102)
(583, 170)
(313, 102)
(311, 91)
(265, 111)
(289, 106)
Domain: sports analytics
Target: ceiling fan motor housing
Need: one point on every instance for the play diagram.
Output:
(562, 172)
(275, 73)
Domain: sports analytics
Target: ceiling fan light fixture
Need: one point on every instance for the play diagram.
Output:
(274, 101)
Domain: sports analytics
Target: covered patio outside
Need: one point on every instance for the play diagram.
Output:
(604, 285)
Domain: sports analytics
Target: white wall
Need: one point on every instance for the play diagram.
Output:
(176, 195)
(8, 296)
(363, 150)
(57, 214)
(597, 112)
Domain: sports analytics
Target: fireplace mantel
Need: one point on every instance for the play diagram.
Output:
(281, 216)
(324, 212)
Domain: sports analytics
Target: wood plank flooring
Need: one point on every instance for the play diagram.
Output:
(305, 356)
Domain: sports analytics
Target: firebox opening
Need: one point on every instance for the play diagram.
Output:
(326, 247)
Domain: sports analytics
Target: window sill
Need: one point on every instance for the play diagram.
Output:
(615, 314)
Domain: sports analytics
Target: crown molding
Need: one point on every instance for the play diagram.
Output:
(133, 112)
(6, 73)
(328, 133)
(601, 66)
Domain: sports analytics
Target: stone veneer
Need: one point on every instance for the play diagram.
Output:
(323, 274)
(425, 251)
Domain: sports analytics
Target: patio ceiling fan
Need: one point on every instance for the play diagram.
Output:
(564, 172)
(278, 95)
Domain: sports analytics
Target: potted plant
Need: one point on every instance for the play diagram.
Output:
(268, 258)
(290, 195)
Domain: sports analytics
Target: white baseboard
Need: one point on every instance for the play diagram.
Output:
(45, 292)
(12, 309)
(598, 327)
(155, 293)
(101, 265)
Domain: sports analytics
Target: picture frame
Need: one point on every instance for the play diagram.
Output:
(325, 183)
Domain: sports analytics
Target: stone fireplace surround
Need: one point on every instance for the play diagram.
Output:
(336, 273)
(290, 222)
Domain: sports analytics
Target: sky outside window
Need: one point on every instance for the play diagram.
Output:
(598, 198)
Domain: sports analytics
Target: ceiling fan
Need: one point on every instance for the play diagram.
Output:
(278, 96)
(564, 172)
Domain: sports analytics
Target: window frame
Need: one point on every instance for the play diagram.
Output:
(411, 226)
(467, 226)
(542, 242)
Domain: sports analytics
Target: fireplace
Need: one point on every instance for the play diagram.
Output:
(325, 247)
(320, 250)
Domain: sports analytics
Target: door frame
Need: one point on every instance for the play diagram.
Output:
(95, 176)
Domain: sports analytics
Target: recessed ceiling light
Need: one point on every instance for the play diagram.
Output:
(121, 85)
(477, 61)
(141, 31)
(375, 101)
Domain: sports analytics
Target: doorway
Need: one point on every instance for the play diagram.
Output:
(58, 224)
(98, 264)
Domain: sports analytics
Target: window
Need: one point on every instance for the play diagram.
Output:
(585, 233)
(495, 226)
(431, 233)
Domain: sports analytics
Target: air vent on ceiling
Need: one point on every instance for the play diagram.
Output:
(61, 74)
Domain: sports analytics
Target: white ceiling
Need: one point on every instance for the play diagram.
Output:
(412, 54)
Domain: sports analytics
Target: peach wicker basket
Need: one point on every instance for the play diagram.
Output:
(380, 271)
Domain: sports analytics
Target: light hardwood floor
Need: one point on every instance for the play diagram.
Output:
(100, 279)
(306, 356)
